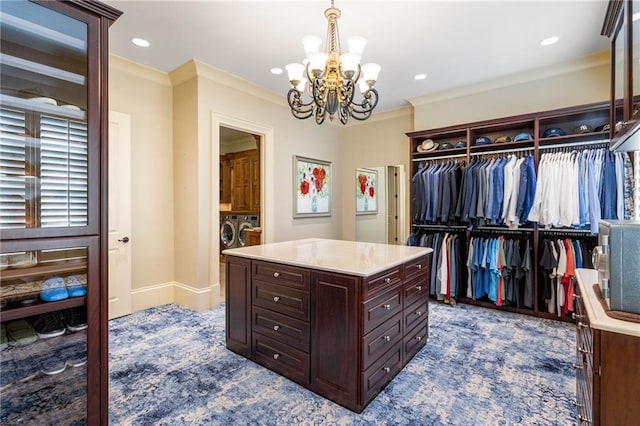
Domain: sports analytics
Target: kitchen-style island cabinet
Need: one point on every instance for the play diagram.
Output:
(341, 318)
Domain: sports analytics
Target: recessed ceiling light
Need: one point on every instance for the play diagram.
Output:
(140, 42)
(549, 41)
(419, 76)
(635, 16)
(276, 70)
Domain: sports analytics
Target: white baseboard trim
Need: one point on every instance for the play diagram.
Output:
(197, 299)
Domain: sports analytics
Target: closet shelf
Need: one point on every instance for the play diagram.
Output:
(41, 32)
(37, 308)
(29, 105)
(38, 68)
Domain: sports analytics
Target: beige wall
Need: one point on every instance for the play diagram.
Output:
(145, 95)
(381, 141)
(575, 83)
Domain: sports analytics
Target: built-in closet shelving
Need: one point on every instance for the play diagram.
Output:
(594, 115)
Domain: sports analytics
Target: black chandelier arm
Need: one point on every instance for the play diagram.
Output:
(319, 92)
(347, 92)
(299, 109)
(320, 112)
(368, 104)
(344, 111)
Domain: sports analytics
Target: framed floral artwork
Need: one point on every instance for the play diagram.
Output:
(366, 191)
(311, 187)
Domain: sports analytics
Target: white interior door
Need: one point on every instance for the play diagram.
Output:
(119, 214)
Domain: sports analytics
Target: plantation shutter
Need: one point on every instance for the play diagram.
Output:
(63, 172)
(12, 169)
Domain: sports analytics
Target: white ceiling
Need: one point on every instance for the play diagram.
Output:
(455, 43)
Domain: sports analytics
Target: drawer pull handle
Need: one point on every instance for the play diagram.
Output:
(276, 356)
(419, 287)
(276, 327)
(276, 274)
(386, 338)
(575, 316)
(387, 280)
(577, 296)
(581, 324)
(386, 369)
(276, 299)
(387, 307)
(576, 366)
(418, 313)
(418, 338)
(575, 404)
(419, 266)
(584, 351)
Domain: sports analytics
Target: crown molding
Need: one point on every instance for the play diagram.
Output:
(121, 64)
(195, 68)
(586, 62)
(406, 111)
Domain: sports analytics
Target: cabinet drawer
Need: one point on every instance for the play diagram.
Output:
(415, 340)
(416, 267)
(290, 276)
(281, 358)
(382, 372)
(416, 289)
(282, 328)
(382, 307)
(382, 281)
(381, 339)
(281, 299)
(415, 313)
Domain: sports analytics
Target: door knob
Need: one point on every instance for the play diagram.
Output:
(124, 240)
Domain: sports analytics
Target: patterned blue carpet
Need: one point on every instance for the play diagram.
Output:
(169, 365)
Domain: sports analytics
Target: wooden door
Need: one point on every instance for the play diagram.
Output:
(254, 182)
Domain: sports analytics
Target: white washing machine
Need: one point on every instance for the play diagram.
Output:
(246, 222)
(228, 232)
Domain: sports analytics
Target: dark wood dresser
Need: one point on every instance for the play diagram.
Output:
(311, 311)
(607, 361)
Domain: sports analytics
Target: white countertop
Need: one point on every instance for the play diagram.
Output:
(597, 316)
(345, 257)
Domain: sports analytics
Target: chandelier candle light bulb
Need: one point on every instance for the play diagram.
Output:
(330, 78)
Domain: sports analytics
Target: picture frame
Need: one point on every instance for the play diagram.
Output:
(366, 191)
(311, 187)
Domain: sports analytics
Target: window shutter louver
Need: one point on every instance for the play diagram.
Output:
(12, 169)
(63, 172)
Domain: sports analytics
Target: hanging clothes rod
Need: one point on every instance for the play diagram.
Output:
(440, 157)
(559, 231)
(504, 151)
(494, 230)
(442, 227)
(603, 142)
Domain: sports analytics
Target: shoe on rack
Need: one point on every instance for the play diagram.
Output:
(76, 318)
(20, 333)
(53, 366)
(49, 325)
(76, 285)
(77, 361)
(53, 289)
(4, 340)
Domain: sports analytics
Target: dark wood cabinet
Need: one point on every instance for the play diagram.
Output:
(226, 164)
(623, 28)
(53, 212)
(607, 374)
(342, 336)
(243, 171)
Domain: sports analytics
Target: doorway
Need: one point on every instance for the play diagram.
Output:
(240, 189)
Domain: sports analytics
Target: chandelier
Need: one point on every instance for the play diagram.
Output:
(329, 78)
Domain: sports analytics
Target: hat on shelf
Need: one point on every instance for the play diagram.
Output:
(427, 145)
(445, 146)
(502, 139)
(482, 140)
(583, 128)
(524, 136)
(460, 144)
(553, 132)
(603, 128)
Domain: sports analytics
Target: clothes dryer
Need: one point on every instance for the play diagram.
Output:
(228, 232)
(246, 222)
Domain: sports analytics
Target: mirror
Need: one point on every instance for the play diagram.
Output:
(379, 204)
